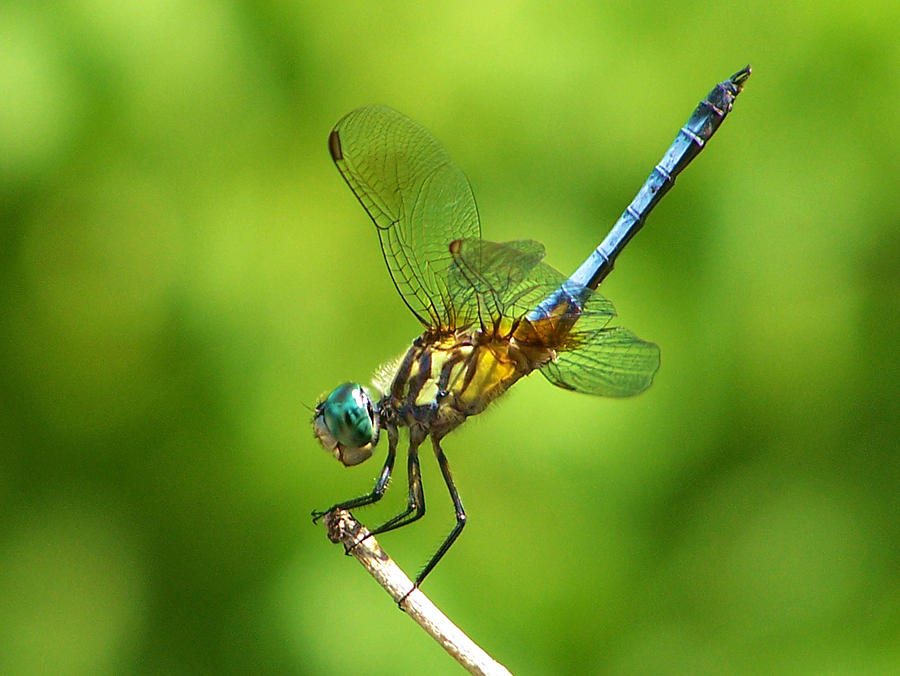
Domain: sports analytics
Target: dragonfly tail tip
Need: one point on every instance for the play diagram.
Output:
(739, 78)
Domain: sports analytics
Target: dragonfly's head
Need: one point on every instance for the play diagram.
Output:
(346, 423)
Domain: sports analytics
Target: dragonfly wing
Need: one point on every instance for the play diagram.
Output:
(500, 285)
(610, 362)
(419, 200)
(492, 282)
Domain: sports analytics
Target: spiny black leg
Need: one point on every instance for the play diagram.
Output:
(380, 485)
(415, 506)
(460, 517)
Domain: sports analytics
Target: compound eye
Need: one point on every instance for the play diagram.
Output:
(349, 415)
(346, 423)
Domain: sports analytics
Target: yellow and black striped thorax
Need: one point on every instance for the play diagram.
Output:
(442, 381)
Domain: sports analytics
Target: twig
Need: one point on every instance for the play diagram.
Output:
(343, 528)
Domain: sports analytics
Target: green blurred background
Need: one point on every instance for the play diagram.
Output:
(184, 272)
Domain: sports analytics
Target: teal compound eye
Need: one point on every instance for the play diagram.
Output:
(347, 425)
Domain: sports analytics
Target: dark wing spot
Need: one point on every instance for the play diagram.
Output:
(334, 146)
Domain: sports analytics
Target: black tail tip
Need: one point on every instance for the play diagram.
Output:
(739, 78)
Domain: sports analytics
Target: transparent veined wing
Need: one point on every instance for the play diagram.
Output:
(609, 362)
(419, 200)
(492, 282)
(503, 283)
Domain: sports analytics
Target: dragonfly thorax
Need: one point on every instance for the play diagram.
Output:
(442, 380)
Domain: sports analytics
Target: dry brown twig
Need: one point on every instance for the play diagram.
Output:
(343, 528)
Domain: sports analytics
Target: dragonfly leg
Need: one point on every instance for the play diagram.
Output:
(415, 506)
(380, 485)
(460, 517)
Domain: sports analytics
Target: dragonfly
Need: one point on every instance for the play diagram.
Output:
(492, 312)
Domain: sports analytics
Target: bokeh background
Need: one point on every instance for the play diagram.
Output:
(183, 273)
